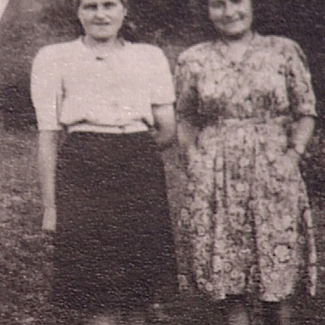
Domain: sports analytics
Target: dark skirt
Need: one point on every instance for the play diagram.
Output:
(114, 244)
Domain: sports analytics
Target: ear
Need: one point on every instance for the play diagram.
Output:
(78, 14)
(125, 10)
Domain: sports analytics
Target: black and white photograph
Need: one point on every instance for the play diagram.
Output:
(162, 162)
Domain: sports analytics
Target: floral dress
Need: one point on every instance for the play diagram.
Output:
(243, 227)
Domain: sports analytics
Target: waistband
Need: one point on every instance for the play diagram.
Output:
(112, 136)
(88, 128)
(252, 121)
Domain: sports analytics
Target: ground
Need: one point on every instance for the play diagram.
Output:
(25, 252)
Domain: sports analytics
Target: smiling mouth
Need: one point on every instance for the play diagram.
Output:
(232, 22)
(101, 24)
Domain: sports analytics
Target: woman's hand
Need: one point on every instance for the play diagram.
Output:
(49, 219)
(164, 131)
(187, 137)
(286, 165)
(184, 154)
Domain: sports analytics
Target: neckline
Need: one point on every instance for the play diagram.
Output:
(102, 55)
(119, 40)
(222, 49)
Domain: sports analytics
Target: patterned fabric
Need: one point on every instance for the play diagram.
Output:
(243, 227)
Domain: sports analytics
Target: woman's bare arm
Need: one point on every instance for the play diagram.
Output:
(47, 155)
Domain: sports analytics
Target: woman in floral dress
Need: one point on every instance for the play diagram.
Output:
(246, 111)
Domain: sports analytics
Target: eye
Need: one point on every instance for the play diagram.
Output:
(217, 4)
(90, 6)
(109, 5)
(236, 1)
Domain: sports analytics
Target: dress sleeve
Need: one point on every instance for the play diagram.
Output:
(46, 90)
(186, 92)
(299, 85)
(161, 86)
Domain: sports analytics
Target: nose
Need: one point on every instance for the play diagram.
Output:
(100, 12)
(229, 9)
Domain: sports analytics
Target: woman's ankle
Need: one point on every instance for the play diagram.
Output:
(285, 312)
(278, 313)
(236, 312)
(106, 318)
(135, 318)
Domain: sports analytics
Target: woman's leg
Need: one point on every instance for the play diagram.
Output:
(135, 318)
(236, 311)
(238, 315)
(109, 318)
(285, 313)
(279, 313)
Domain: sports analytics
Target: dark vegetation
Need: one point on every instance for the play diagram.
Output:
(170, 23)
(25, 253)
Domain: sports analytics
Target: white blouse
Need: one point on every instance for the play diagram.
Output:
(115, 93)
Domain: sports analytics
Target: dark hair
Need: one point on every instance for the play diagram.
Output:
(128, 30)
(77, 3)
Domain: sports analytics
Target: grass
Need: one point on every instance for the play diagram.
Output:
(25, 252)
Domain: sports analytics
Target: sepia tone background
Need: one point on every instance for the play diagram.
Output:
(27, 25)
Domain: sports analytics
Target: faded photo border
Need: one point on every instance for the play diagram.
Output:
(173, 25)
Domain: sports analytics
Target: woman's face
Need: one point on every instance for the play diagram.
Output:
(101, 19)
(231, 18)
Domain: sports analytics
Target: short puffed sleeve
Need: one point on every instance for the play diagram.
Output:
(46, 88)
(299, 85)
(185, 84)
(161, 84)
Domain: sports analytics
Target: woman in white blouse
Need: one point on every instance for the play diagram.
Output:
(104, 189)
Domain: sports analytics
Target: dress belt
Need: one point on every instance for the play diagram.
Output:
(253, 121)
